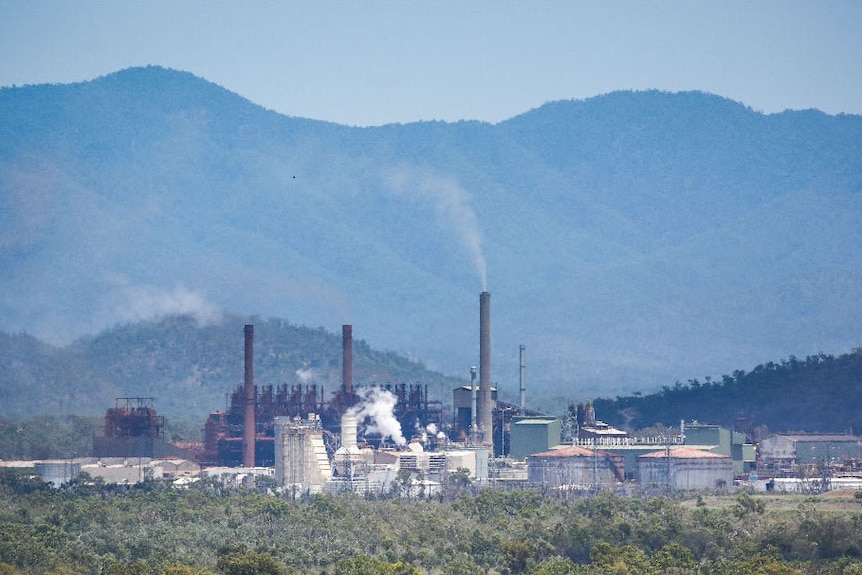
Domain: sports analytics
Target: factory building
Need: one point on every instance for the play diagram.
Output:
(245, 433)
(684, 468)
(786, 451)
(575, 467)
(724, 441)
(535, 434)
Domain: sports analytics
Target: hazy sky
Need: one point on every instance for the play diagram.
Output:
(372, 62)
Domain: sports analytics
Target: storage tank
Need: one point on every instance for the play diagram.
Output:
(575, 467)
(685, 468)
(57, 473)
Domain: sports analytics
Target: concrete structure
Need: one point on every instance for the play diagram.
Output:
(785, 451)
(301, 462)
(528, 435)
(576, 468)
(726, 442)
(684, 468)
(473, 460)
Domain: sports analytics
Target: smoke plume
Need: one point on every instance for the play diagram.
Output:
(452, 203)
(304, 375)
(376, 409)
(148, 302)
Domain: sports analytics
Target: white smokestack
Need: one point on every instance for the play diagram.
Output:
(348, 430)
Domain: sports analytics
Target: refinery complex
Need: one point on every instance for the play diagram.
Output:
(397, 439)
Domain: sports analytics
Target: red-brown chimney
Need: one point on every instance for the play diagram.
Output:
(248, 424)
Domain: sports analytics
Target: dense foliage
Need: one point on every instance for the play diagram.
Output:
(153, 529)
(48, 437)
(821, 393)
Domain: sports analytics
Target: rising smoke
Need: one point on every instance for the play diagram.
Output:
(452, 203)
(304, 375)
(376, 410)
(148, 302)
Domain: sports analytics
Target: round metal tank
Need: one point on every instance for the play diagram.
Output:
(57, 472)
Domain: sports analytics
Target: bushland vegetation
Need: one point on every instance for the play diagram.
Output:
(155, 529)
(773, 397)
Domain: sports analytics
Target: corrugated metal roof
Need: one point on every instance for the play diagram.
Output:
(685, 453)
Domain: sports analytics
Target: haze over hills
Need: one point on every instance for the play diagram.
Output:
(629, 240)
(187, 369)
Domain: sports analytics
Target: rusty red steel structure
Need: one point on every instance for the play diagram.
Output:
(133, 417)
(228, 434)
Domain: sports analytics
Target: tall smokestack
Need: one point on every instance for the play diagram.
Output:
(473, 407)
(486, 421)
(523, 377)
(248, 424)
(347, 359)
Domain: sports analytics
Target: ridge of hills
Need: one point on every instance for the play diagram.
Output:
(188, 368)
(629, 240)
(818, 394)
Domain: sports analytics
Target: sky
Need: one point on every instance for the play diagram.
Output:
(374, 62)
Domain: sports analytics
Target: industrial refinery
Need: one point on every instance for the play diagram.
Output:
(396, 438)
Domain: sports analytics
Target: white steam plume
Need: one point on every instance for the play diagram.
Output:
(377, 406)
(453, 204)
(304, 375)
(147, 302)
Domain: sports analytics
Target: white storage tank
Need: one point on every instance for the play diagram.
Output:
(57, 472)
(685, 468)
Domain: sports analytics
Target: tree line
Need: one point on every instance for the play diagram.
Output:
(821, 393)
(154, 529)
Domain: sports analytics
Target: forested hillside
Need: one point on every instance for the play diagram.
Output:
(186, 367)
(820, 393)
(629, 240)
